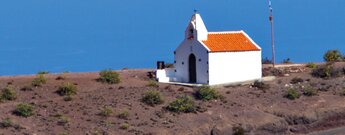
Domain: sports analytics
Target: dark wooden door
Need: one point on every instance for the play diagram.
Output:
(192, 68)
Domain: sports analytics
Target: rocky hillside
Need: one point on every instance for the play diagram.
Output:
(300, 100)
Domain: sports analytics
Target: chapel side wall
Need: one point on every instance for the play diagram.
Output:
(181, 64)
(230, 67)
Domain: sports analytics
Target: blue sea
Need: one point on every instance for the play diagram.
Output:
(90, 35)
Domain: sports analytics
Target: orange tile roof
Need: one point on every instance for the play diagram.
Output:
(229, 42)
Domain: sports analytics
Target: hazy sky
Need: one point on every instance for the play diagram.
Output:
(90, 35)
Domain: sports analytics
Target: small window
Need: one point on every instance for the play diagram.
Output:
(174, 52)
(182, 63)
(207, 62)
(175, 70)
(207, 71)
(175, 61)
(199, 59)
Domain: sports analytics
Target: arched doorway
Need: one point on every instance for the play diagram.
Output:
(192, 68)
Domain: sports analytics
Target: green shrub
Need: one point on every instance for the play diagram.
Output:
(309, 91)
(182, 104)
(124, 126)
(24, 110)
(152, 83)
(106, 111)
(332, 56)
(123, 114)
(296, 80)
(207, 93)
(8, 93)
(238, 130)
(311, 65)
(292, 94)
(327, 71)
(67, 89)
(152, 98)
(5, 123)
(39, 81)
(109, 76)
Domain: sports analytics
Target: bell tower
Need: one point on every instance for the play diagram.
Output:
(196, 28)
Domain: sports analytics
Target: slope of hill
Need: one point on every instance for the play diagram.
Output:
(263, 110)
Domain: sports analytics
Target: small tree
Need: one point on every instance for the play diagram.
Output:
(332, 56)
(109, 76)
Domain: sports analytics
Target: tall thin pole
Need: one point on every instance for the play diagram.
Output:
(272, 32)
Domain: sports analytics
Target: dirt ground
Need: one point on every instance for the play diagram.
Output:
(258, 112)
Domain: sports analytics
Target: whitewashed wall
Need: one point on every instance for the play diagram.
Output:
(230, 67)
(186, 48)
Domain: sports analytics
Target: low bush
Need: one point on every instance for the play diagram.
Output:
(109, 76)
(24, 110)
(327, 71)
(39, 80)
(152, 83)
(8, 93)
(152, 98)
(5, 123)
(332, 56)
(207, 93)
(292, 94)
(123, 114)
(124, 126)
(309, 91)
(182, 104)
(106, 111)
(67, 89)
(296, 80)
(311, 65)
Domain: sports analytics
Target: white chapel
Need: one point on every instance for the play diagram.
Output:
(213, 58)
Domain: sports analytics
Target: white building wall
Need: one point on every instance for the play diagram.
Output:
(181, 64)
(230, 67)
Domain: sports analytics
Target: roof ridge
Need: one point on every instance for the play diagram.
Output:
(226, 32)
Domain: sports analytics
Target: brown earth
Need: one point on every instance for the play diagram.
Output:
(257, 111)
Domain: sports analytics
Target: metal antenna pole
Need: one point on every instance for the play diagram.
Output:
(272, 32)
